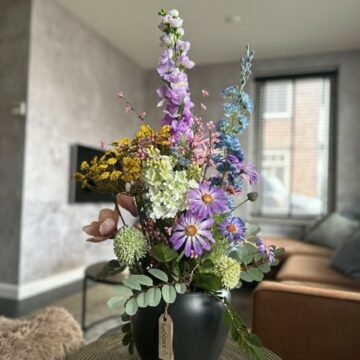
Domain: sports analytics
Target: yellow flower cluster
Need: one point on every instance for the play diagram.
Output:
(162, 137)
(131, 169)
(110, 172)
(145, 131)
(122, 165)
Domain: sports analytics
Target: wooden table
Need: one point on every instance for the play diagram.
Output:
(110, 348)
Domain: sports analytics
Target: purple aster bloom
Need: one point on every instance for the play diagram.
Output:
(250, 171)
(194, 233)
(233, 228)
(206, 200)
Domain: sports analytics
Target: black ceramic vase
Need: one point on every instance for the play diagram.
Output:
(199, 329)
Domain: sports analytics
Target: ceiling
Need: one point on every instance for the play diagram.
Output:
(273, 28)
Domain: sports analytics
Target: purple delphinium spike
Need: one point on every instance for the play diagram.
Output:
(174, 95)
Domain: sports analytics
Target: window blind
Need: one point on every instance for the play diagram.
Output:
(294, 145)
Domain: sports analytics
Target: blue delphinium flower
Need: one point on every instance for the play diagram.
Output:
(230, 91)
(230, 109)
(245, 100)
(223, 126)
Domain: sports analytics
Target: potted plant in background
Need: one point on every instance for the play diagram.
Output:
(185, 183)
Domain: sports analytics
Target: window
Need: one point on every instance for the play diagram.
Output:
(293, 146)
(277, 100)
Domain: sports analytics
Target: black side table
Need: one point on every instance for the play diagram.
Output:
(91, 273)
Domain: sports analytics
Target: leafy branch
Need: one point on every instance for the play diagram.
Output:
(140, 291)
(246, 340)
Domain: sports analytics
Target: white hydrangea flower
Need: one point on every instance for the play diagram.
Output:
(167, 188)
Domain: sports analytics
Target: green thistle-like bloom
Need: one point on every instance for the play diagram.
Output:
(129, 245)
(228, 269)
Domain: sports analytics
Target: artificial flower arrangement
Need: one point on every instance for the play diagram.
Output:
(184, 183)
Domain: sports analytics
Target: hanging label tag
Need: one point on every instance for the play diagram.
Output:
(166, 330)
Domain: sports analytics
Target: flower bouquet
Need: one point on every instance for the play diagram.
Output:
(185, 183)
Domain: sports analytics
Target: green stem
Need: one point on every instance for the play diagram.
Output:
(118, 211)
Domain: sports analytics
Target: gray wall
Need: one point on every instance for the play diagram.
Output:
(74, 79)
(14, 47)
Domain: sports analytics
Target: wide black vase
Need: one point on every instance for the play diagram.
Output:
(199, 329)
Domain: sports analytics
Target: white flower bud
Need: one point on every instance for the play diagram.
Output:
(180, 32)
(174, 13)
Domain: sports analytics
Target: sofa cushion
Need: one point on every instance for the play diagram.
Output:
(316, 269)
(297, 247)
(333, 231)
(347, 258)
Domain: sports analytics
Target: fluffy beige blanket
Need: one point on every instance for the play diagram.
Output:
(49, 335)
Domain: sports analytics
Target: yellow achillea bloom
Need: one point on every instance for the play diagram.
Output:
(131, 169)
(162, 137)
(112, 161)
(124, 141)
(144, 131)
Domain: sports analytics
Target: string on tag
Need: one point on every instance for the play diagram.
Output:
(166, 333)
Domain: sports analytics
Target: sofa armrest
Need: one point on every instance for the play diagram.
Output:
(300, 322)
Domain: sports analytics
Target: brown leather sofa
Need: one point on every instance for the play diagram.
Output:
(311, 311)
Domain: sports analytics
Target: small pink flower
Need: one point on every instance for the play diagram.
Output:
(103, 145)
(142, 115)
(204, 93)
(121, 95)
(104, 228)
(202, 106)
(210, 125)
(128, 203)
(128, 108)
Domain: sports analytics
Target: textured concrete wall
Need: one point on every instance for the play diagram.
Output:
(14, 46)
(73, 84)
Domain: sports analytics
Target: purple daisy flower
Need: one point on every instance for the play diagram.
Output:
(194, 233)
(233, 228)
(206, 200)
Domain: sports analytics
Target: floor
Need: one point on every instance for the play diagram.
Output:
(70, 298)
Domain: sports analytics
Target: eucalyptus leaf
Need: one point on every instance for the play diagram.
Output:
(264, 268)
(132, 282)
(159, 274)
(131, 307)
(126, 328)
(116, 301)
(127, 339)
(143, 280)
(168, 293)
(153, 296)
(180, 288)
(245, 276)
(255, 274)
(142, 300)
(258, 257)
(123, 291)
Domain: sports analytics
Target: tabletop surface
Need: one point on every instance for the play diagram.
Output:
(111, 348)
